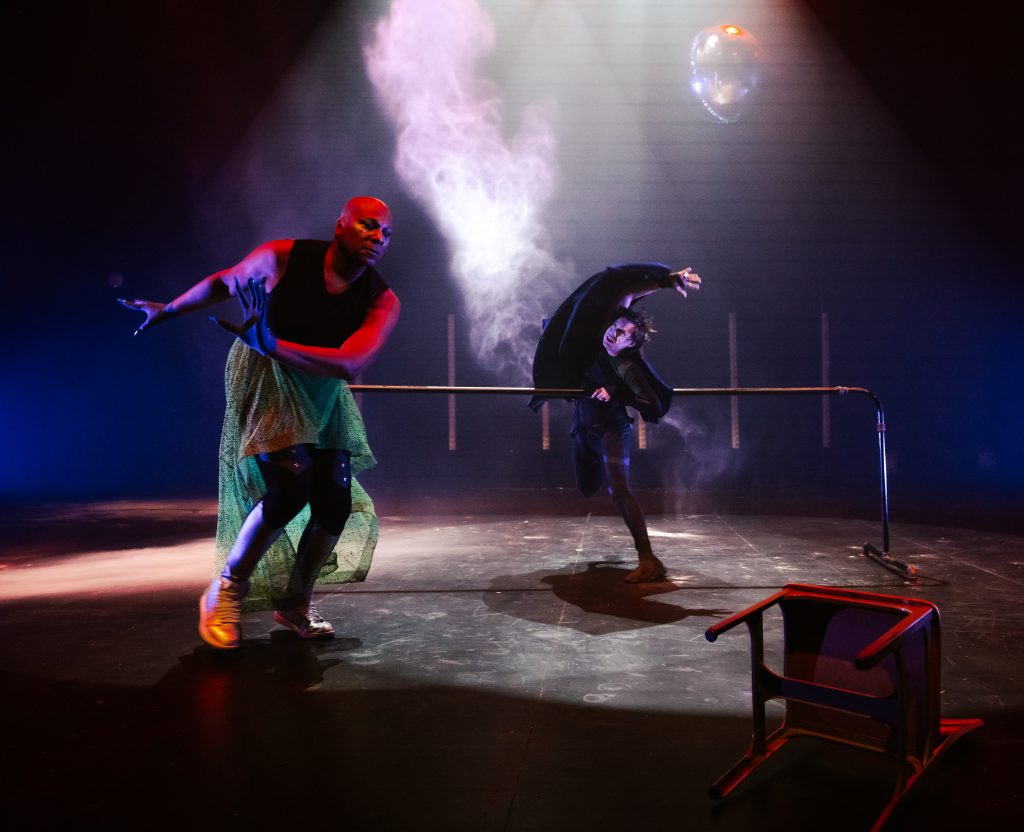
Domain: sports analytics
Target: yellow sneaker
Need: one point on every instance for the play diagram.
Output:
(220, 611)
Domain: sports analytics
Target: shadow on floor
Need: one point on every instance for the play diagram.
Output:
(255, 740)
(598, 588)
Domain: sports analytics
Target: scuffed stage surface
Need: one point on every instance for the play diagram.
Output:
(494, 673)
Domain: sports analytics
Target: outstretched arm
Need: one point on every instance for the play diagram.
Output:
(267, 261)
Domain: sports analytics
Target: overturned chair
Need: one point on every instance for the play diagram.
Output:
(860, 669)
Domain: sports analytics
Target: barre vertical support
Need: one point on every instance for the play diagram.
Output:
(882, 556)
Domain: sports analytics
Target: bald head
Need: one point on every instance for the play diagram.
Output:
(363, 230)
(365, 206)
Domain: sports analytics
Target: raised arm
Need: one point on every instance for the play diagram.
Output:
(573, 334)
(681, 281)
(622, 285)
(267, 261)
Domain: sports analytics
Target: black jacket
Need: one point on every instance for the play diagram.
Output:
(571, 340)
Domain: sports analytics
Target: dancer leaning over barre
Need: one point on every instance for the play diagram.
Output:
(594, 342)
(315, 314)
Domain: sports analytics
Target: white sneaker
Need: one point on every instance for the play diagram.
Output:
(306, 622)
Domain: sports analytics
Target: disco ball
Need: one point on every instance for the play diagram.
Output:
(725, 70)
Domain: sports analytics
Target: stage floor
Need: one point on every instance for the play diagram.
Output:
(493, 673)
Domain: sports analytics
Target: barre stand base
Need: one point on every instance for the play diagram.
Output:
(889, 562)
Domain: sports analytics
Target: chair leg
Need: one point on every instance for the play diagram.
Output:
(746, 765)
(950, 731)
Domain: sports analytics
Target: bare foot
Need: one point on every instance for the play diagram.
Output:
(648, 571)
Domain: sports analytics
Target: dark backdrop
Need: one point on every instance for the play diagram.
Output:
(874, 183)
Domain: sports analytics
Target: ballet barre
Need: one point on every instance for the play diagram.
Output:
(881, 555)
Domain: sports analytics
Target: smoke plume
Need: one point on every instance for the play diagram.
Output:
(486, 193)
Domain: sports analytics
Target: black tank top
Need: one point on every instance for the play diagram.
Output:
(301, 309)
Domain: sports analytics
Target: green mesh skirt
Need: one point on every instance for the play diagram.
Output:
(270, 407)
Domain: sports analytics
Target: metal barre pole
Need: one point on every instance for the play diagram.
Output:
(881, 556)
(573, 391)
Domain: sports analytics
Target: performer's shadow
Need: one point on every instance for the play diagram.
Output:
(285, 663)
(600, 590)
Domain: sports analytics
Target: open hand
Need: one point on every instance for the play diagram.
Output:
(686, 280)
(155, 312)
(254, 331)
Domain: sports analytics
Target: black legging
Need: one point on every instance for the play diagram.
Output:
(304, 474)
(603, 456)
